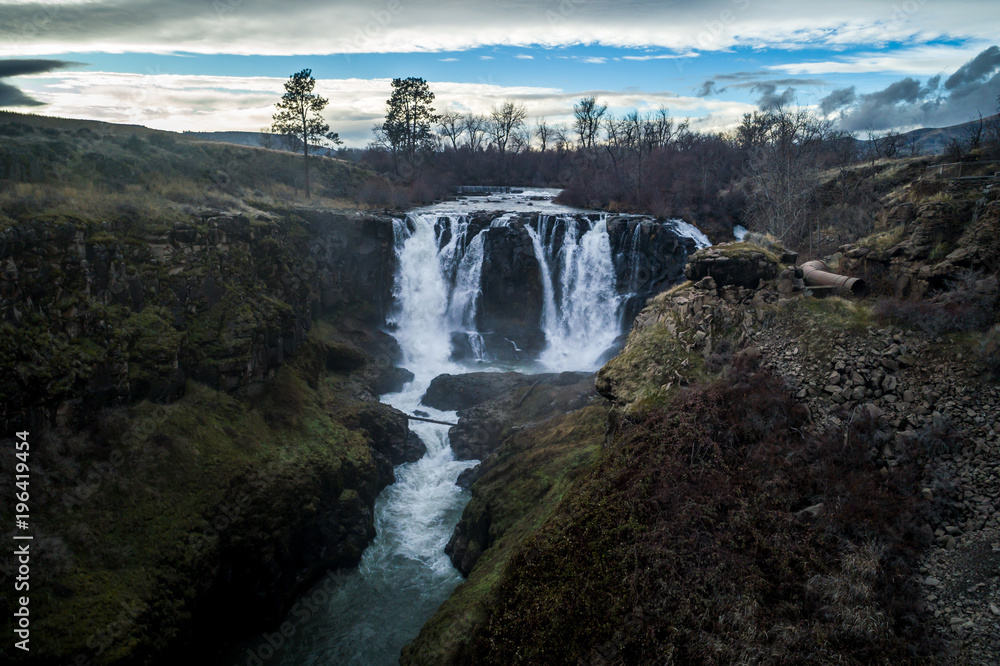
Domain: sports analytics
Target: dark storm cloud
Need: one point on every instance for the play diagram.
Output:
(977, 69)
(707, 88)
(769, 96)
(13, 96)
(22, 67)
(838, 99)
(972, 89)
(906, 90)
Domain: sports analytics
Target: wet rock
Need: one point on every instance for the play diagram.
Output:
(390, 433)
(456, 392)
(512, 292)
(469, 476)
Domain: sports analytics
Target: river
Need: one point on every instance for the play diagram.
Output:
(404, 575)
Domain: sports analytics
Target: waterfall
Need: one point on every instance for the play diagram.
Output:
(466, 294)
(404, 575)
(438, 291)
(586, 323)
(421, 294)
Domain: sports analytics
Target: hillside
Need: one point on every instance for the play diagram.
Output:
(117, 171)
(783, 478)
(765, 472)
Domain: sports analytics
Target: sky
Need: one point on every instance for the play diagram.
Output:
(217, 65)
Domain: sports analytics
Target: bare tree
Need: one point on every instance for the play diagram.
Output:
(975, 133)
(560, 138)
(544, 133)
(782, 170)
(588, 115)
(267, 139)
(659, 129)
(452, 127)
(475, 127)
(911, 143)
(520, 140)
(886, 145)
(504, 121)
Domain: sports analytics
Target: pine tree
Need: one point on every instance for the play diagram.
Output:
(407, 126)
(298, 116)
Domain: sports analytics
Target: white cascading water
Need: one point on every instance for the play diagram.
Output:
(404, 574)
(580, 315)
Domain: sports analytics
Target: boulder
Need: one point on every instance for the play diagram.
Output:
(481, 429)
(457, 392)
(740, 264)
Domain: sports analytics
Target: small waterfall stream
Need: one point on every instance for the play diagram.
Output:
(404, 574)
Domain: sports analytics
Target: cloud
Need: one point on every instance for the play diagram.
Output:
(742, 76)
(977, 69)
(662, 56)
(906, 103)
(594, 60)
(707, 88)
(301, 27)
(23, 67)
(907, 90)
(524, 56)
(11, 95)
(921, 60)
(837, 99)
(769, 97)
(448, 59)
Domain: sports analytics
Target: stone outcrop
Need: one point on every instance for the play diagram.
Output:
(105, 328)
(517, 399)
(458, 392)
(512, 293)
(741, 264)
(930, 244)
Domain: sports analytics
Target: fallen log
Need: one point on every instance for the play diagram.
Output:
(421, 418)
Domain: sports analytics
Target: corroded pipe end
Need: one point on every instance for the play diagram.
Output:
(816, 274)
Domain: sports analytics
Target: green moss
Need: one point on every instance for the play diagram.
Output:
(519, 492)
(830, 315)
(138, 519)
(941, 250)
(653, 364)
(883, 241)
(747, 250)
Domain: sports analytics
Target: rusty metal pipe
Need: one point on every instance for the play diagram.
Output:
(817, 274)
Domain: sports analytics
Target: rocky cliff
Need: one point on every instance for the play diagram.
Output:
(95, 317)
(206, 440)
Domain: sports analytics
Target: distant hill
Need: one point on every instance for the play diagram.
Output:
(935, 140)
(255, 139)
